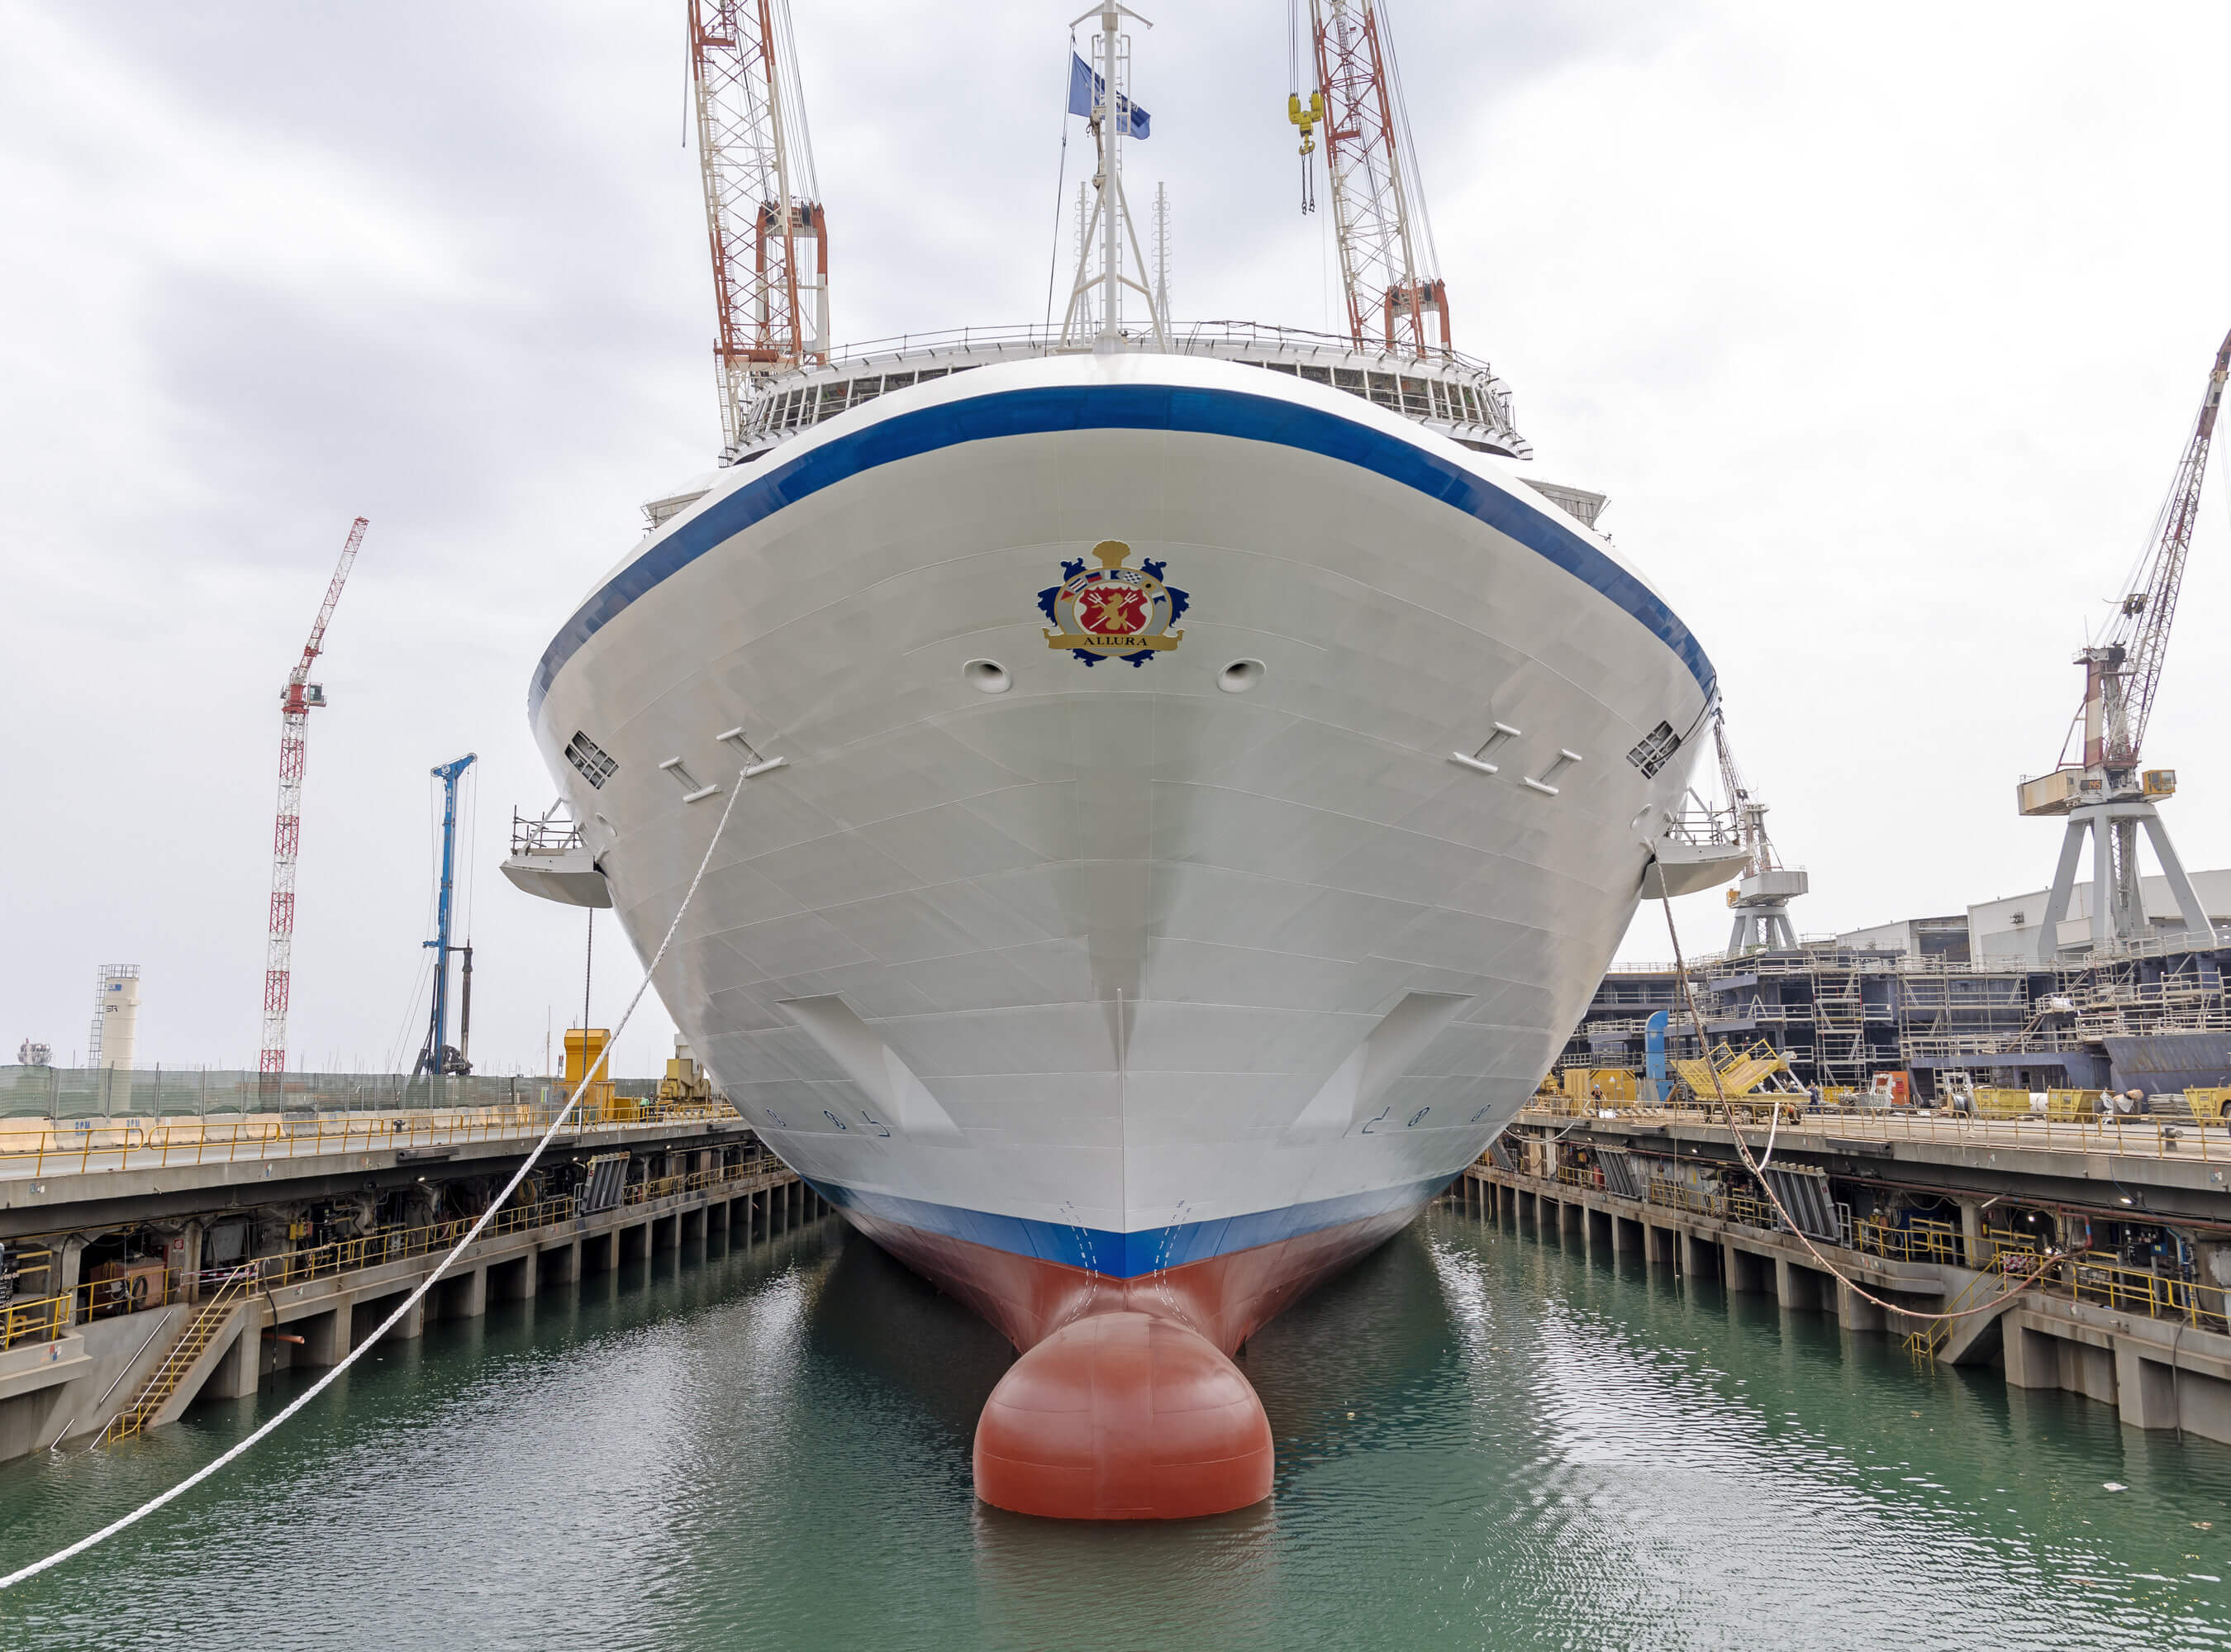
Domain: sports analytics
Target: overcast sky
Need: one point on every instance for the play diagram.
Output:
(1882, 329)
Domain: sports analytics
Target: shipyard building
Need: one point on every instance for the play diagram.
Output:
(1975, 993)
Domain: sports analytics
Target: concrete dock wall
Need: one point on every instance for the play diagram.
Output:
(72, 1387)
(2159, 1374)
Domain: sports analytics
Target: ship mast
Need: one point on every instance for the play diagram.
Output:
(1110, 228)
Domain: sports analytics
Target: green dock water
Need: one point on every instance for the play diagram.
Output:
(1483, 1442)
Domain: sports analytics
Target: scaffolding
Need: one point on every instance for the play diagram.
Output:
(1837, 1016)
(1946, 1013)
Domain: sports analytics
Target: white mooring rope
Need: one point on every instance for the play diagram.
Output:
(425, 1284)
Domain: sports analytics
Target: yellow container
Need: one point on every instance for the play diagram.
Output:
(583, 1047)
(2071, 1104)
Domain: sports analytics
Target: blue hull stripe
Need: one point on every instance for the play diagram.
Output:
(1129, 1256)
(1124, 407)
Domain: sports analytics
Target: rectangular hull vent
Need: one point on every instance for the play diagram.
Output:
(1655, 750)
(589, 757)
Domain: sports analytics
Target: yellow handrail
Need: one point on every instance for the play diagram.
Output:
(161, 1143)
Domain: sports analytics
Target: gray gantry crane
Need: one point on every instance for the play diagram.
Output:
(1761, 897)
(2107, 794)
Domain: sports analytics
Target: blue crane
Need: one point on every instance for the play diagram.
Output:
(440, 1057)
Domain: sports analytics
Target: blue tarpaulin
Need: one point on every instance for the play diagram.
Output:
(1084, 90)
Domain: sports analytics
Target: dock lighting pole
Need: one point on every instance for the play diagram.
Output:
(438, 1058)
(2108, 796)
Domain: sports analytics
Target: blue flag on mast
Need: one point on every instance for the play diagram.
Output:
(1084, 90)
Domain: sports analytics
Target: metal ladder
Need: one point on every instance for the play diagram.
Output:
(162, 1382)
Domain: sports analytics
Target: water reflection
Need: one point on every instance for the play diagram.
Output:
(1484, 1441)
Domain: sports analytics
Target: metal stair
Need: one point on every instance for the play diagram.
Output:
(1949, 1340)
(1740, 1072)
(162, 1382)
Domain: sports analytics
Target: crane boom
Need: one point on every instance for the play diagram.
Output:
(1749, 812)
(2143, 623)
(1761, 897)
(297, 700)
(2106, 796)
(763, 215)
(1378, 209)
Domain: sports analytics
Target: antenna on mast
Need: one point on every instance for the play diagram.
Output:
(1102, 93)
(1081, 301)
(1162, 255)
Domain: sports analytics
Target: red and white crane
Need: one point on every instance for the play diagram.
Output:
(1385, 241)
(763, 215)
(2107, 794)
(297, 700)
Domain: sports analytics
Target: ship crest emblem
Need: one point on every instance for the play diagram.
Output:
(1113, 611)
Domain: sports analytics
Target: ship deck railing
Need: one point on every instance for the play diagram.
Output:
(1444, 390)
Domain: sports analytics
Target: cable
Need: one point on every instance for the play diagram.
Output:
(1060, 186)
(1406, 145)
(1996, 1304)
(424, 1285)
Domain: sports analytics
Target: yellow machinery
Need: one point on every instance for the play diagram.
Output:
(1599, 1084)
(583, 1047)
(1740, 1072)
(685, 1082)
(2208, 1105)
(1592, 1089)
(2002, 1103)
(2071, 1104)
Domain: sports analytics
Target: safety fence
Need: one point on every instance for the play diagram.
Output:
(155, 1143)
(75, 1093)
(2132, 1290)
(1918, 1240)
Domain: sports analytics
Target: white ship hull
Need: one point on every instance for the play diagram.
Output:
(1115, 985)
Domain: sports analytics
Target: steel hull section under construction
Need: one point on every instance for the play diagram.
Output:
(1117, 932)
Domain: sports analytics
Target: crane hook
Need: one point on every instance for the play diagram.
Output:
(1306, 118)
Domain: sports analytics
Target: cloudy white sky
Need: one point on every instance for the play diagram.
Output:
(1882, 328)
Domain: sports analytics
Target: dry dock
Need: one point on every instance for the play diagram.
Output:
(154, 1262)
(2089, 1251)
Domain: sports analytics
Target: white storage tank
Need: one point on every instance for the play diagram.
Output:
(114, 1040)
